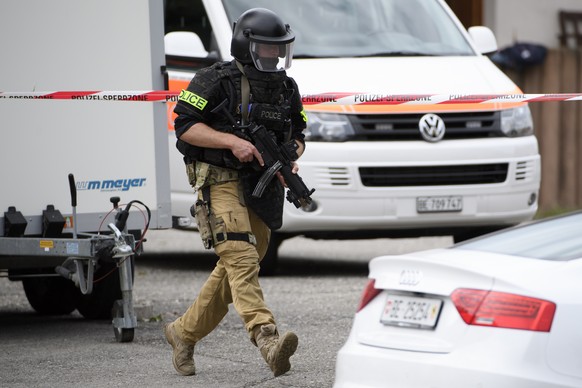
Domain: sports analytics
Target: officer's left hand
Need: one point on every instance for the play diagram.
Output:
(293, 170)
(295, 167)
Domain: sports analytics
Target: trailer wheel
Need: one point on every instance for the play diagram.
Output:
(51, 295)
(121, 334)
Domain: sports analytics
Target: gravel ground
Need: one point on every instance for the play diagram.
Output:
(315, 295)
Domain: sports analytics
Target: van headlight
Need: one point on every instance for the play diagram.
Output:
(517, 122)
(328, 127)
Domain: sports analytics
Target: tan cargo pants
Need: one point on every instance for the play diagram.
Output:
(235, 277)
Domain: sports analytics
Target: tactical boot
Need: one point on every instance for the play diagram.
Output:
(276, 350)
(183, 357)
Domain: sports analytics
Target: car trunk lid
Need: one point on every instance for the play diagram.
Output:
(428, 279)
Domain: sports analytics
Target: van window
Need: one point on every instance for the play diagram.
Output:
(340, 28)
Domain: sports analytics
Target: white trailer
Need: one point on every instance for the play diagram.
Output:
(71, 168)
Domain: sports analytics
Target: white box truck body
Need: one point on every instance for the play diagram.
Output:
(112, 148)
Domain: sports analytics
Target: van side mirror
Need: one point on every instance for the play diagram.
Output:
(184, 44)
(483, 38)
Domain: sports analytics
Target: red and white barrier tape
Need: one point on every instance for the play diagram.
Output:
(152, 95)
(429, 99)
(308, 99)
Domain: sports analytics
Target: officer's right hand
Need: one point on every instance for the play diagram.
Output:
(245, 151)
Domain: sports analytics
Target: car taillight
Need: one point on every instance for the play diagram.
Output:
(499, 309)
(370, 292)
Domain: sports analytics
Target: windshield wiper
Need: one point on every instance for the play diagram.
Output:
(397, 54)
(306, 56)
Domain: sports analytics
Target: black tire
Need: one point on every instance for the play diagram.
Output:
(51, 295)
(124, 335)
(106, 290)
(270, 262)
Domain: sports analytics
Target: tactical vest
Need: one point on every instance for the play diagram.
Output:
(269, 105)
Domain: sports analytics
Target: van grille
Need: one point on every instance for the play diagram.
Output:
(433, 175)
(472, 125)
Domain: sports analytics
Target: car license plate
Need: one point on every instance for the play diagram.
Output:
(451, 203)
(411, 311)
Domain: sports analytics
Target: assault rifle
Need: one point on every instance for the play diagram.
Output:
(277, 159)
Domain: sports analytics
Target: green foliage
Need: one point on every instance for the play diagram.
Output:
(157, 318)
(555, 211)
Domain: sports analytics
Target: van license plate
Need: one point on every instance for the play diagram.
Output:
(409, 311)
(451, 203)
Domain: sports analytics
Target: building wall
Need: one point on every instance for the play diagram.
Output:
(532, 21)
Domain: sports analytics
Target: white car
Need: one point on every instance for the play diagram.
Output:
(504, 310)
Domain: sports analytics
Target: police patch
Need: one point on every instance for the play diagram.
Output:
(193, 99)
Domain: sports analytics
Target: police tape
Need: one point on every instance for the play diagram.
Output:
(151, 96)
(307, 99)
(429, 99)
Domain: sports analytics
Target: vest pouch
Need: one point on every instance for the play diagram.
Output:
(273, 117)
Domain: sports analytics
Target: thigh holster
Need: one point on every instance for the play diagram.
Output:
(210, 227)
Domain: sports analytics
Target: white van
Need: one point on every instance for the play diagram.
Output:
(382, 170)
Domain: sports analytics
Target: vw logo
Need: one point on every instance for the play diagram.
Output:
(410, 277)
(432, 127)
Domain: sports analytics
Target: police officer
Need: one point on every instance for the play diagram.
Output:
(223, 166)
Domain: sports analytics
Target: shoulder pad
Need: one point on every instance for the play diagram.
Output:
(224, 68)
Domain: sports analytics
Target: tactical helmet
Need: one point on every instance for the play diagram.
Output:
(261, 38)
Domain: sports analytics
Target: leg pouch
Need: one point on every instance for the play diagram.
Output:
(211, 228)
(219, 232)
(202, 214)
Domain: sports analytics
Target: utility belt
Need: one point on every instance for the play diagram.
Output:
(202, 174)
(212, 156)
(212, 228)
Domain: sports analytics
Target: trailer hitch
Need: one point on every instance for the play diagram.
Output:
(121, 248)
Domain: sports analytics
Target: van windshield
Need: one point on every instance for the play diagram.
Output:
(361, 28)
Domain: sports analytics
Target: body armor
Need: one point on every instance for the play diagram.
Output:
(270, 102)
(270, 105)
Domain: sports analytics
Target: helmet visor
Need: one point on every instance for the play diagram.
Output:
(271, 57)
